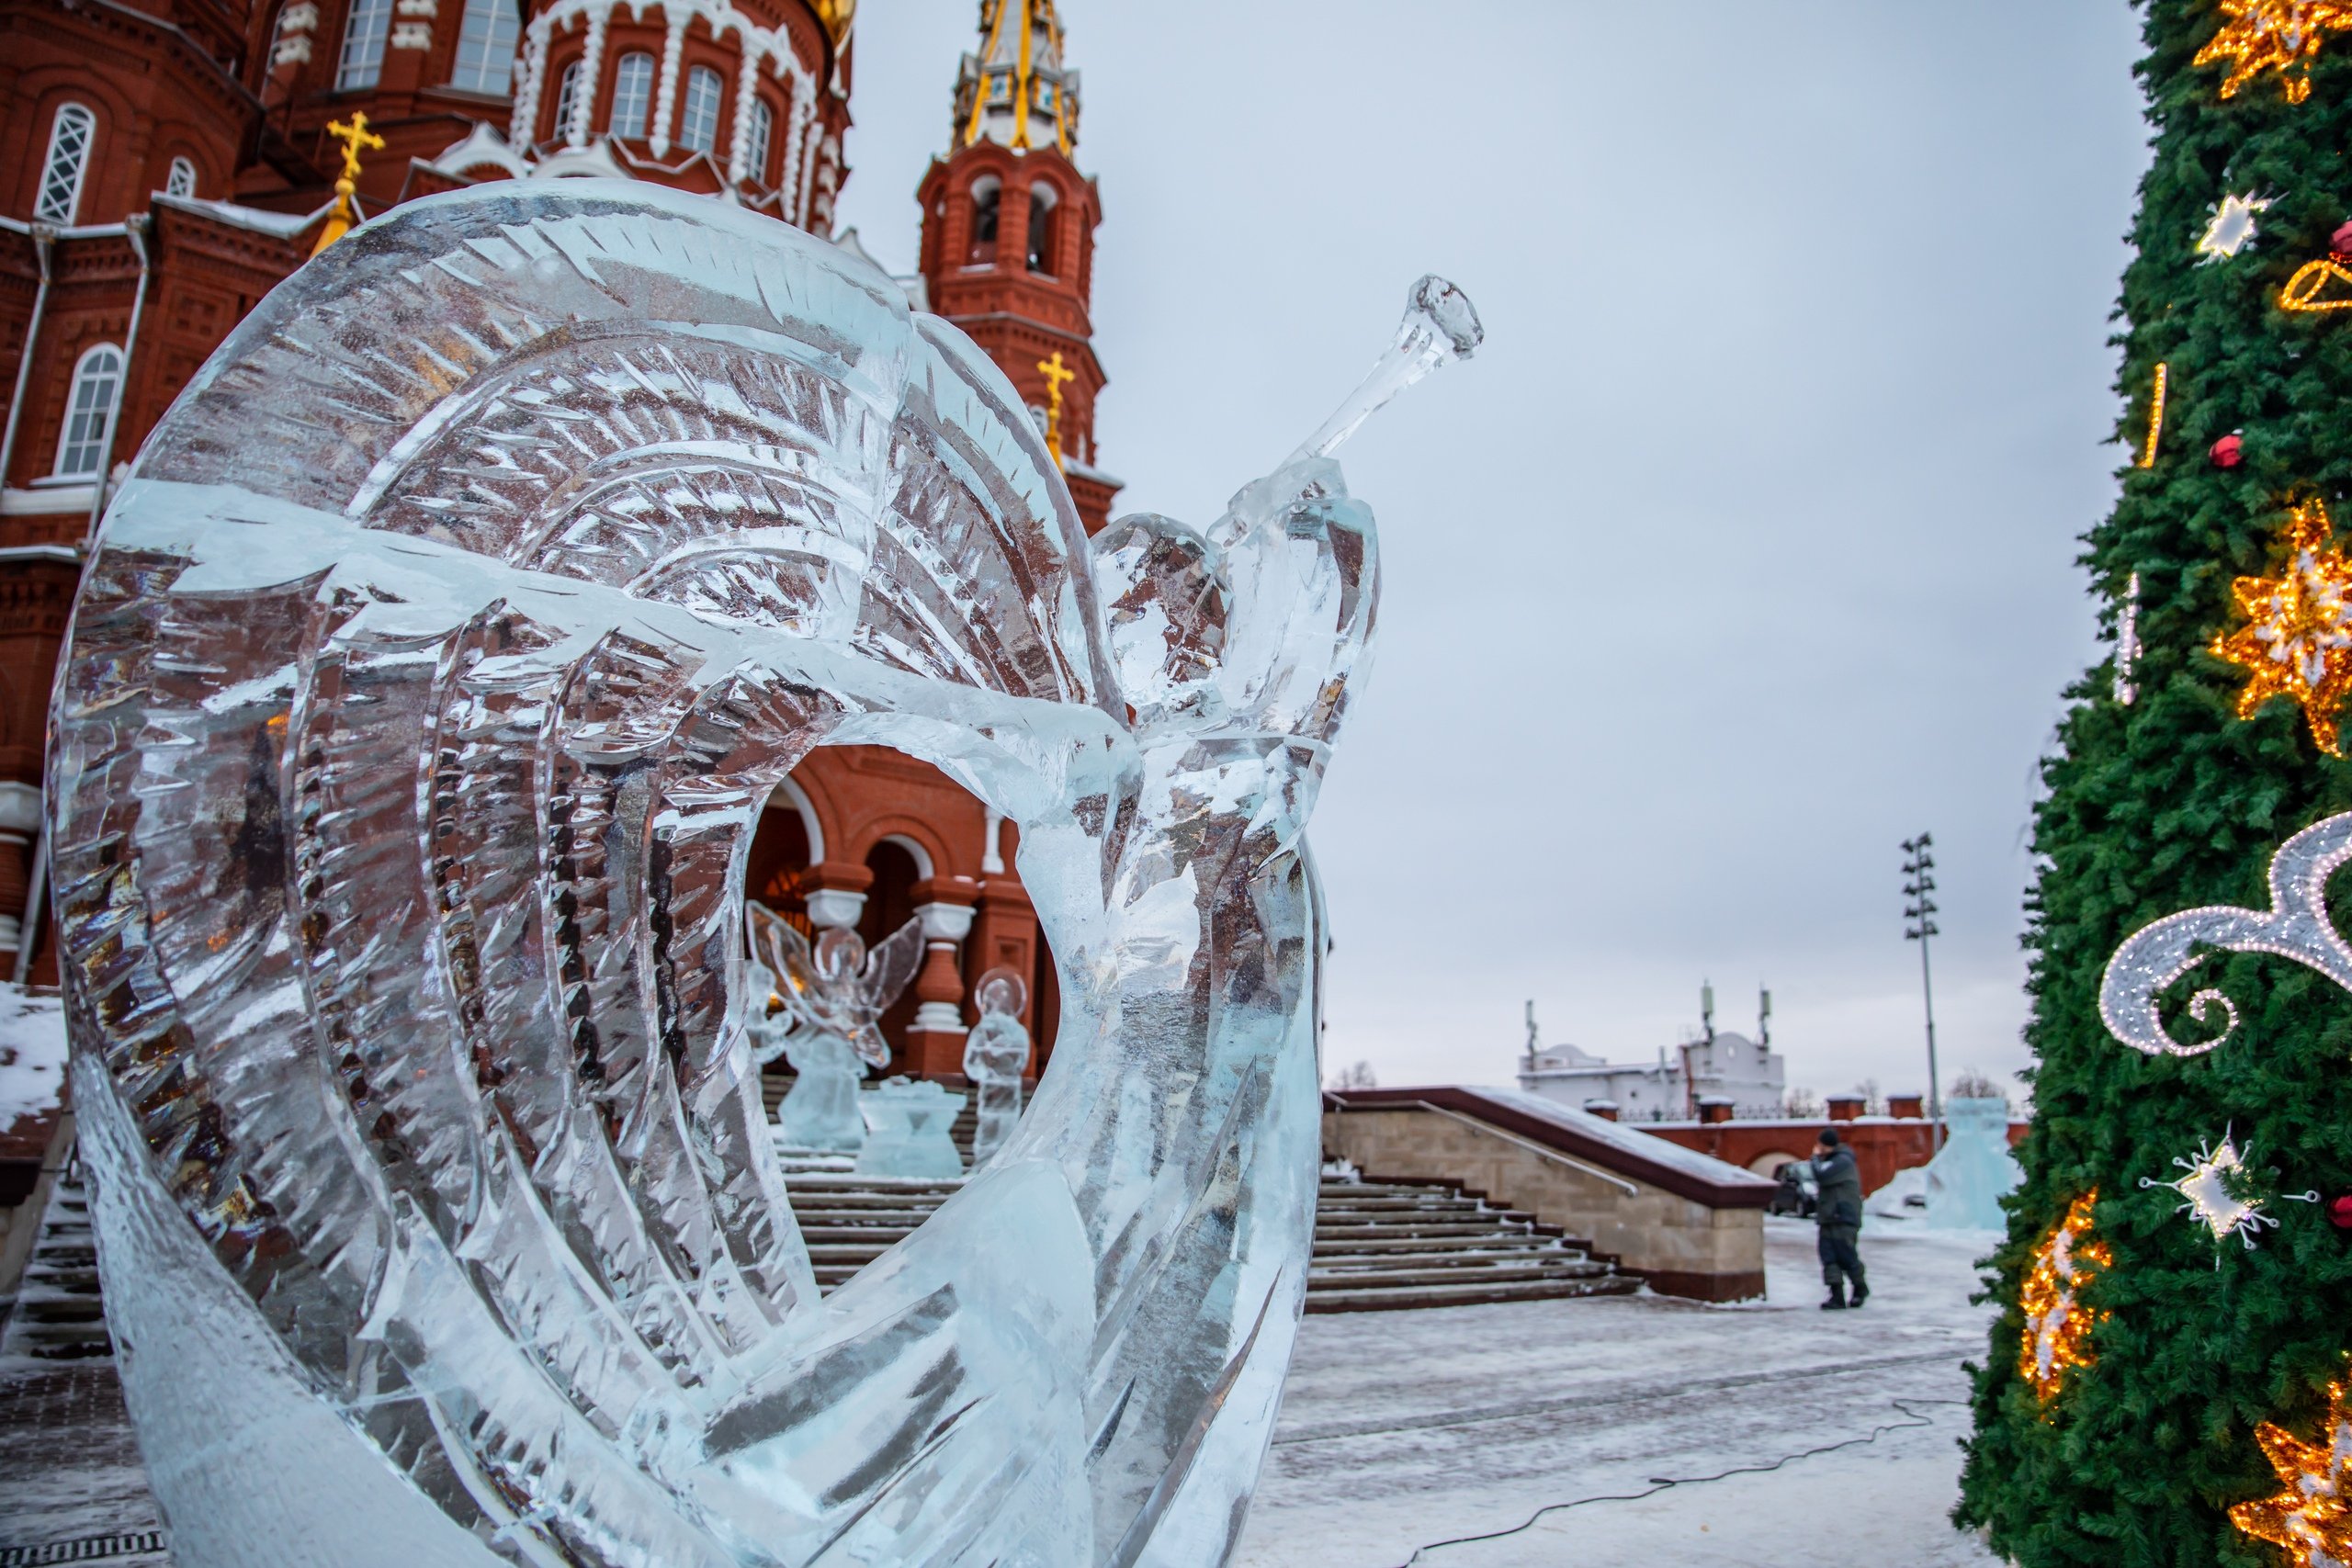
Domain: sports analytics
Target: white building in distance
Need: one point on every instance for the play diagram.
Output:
(1724, 1067)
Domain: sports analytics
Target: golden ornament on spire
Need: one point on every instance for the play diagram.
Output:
(2309, 1518)
(354, 137)
(1055, 373)
(2274, 35)
(2057, 1326)
(2296, 641)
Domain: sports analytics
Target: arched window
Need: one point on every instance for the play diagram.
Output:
(69, 135)
(987, 197)
(486, 48)
(760, 137)
(181, 181)
(698, 128)
(632, 96)
(89, 408)
(1042, 227)
(362, 60)
(567, 96)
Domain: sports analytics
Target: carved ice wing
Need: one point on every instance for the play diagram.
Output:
(787, 956)
(2295, 926)
(891, 966)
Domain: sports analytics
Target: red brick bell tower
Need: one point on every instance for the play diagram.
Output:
(1008, 233)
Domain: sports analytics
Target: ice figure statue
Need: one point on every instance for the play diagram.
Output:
(996, 1052)
(1973, 1171)
(429, 673)
(907, 1128)
(835, 996)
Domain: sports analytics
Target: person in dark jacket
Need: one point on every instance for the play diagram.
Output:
(1840, 1215)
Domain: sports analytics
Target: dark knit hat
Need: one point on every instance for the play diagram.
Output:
(1829, 1136)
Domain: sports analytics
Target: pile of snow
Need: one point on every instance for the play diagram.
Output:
(1905, 1198)
(32, 1054)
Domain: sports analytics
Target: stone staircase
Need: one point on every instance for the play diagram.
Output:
(58, 1314)
(1378, 1246)
(1384, 1245)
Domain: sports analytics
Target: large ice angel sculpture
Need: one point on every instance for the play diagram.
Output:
(834, 994)
(427, 679)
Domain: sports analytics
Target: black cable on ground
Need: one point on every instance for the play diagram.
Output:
(1662, 1483)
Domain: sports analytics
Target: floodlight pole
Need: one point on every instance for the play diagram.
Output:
(1918, 864)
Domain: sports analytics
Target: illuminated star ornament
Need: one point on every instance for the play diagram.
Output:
(2215, 1188)
(2296, 641)
(2057, 1326)
(2274, 35)
(2308, 1517)
(2231, 228)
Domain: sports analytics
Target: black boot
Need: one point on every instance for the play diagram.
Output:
(1861, 1291)
(1837, 1302)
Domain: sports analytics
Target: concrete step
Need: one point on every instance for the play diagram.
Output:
(1468, 1295)
(1467, 1278)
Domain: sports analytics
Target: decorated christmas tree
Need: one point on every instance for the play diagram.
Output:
(2165, 1383)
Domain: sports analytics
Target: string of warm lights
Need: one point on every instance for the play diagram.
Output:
(2057, 1326)
(2155, 416)
(2302, 293)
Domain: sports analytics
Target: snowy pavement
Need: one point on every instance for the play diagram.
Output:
(1400, 1430)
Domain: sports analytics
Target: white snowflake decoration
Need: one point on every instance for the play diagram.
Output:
(2207, 1188)
(2231, 229)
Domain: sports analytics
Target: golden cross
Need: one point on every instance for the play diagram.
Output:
(354, 137)
(1055, 373)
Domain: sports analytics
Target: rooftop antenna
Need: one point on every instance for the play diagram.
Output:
(1763, 1017)
(1531, 1034)
(1707, 1010)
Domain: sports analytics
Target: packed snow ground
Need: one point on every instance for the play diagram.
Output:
(1400, 1430)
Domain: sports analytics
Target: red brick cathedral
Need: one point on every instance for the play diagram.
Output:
(174, 159)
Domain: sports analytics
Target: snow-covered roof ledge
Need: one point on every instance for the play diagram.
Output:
(32, 1069)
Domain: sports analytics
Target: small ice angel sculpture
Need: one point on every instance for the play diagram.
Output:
(428, 677)
(835, 995)
(996, 1052)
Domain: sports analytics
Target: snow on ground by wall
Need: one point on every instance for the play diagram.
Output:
(1402, 1429)
(32, 1054)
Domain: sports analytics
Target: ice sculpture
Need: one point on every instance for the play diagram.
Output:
(427, 677)
(996, 1053)
(835, 995)
(907, 1128)
(1973, 1171)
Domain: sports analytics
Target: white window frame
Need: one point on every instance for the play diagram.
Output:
(705, 96)
(73, 133)
(640, 95)
(761, 141)
(487, 40)
(360, 63)
(69, 441)
(567, 96)
(181, 179)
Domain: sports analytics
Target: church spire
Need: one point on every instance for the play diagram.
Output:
(1008, 234)
(1015, 91)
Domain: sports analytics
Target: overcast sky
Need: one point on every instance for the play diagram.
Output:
(1742, 551)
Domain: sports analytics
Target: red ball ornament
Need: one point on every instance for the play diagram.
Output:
(2339, 1212)
(2228, 452)
(2341, 240)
